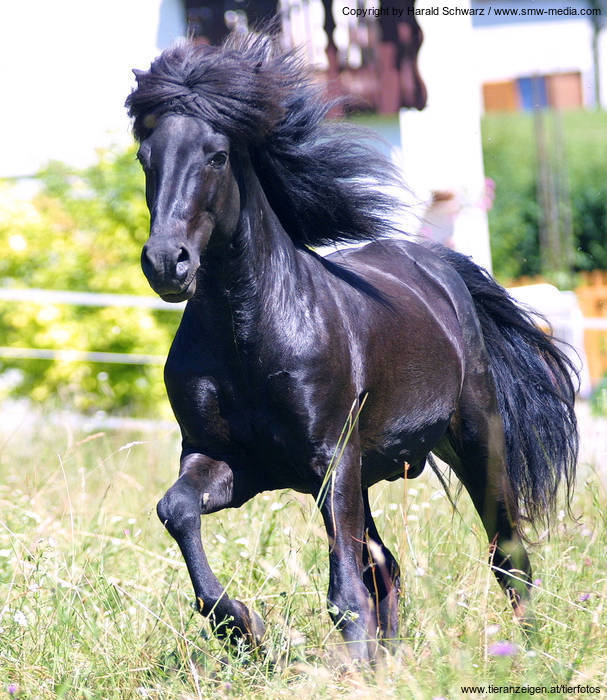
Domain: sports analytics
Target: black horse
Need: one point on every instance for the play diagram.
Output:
(278, 346)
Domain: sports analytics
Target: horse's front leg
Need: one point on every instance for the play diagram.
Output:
(350, 604)
(205, 486)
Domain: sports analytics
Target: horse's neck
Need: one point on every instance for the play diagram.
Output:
(257, 276)
(265, 252)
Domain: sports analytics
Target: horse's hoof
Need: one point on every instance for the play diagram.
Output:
(236, 623)
(257, 628)
(526, 619)
(248, 625)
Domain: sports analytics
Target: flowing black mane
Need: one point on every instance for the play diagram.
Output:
(322, 178)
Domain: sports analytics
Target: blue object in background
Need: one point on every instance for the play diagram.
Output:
(533, 93)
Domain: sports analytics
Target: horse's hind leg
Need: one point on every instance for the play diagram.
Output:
(476, 452)
(381, 575)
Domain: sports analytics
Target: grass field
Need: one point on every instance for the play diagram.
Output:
(95, 601)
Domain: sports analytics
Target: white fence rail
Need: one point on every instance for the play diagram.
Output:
(121, 358)
(50, 296)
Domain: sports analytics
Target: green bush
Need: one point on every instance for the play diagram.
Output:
(83, 231)
(510, 159)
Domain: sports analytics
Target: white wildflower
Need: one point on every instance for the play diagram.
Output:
(20, 618)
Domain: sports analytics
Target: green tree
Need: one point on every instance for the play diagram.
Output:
(510, 159)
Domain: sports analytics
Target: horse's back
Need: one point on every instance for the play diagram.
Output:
(400, 267)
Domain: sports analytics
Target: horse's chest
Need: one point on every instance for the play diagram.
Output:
(217, 414)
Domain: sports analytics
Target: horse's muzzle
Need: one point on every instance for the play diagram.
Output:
(170, 269)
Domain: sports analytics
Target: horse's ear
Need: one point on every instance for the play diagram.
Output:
(137, 73)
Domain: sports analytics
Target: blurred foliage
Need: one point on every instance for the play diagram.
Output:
(82, 231)
(511, 160)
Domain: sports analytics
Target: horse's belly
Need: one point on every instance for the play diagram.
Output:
(402, 452)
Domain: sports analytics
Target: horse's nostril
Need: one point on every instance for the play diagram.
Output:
(146, 261)
(183, 264)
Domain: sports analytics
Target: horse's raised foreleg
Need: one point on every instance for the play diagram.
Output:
(205, 486)
(381, 575)
(350, 605)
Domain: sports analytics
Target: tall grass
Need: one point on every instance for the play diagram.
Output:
(95, 601)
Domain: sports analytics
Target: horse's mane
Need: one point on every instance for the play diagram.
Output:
(321, 178)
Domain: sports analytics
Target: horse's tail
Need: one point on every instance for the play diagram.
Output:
(535, 394)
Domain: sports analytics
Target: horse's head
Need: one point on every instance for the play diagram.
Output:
(193, 200)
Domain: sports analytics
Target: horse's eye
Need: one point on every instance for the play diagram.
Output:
(218, 159)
